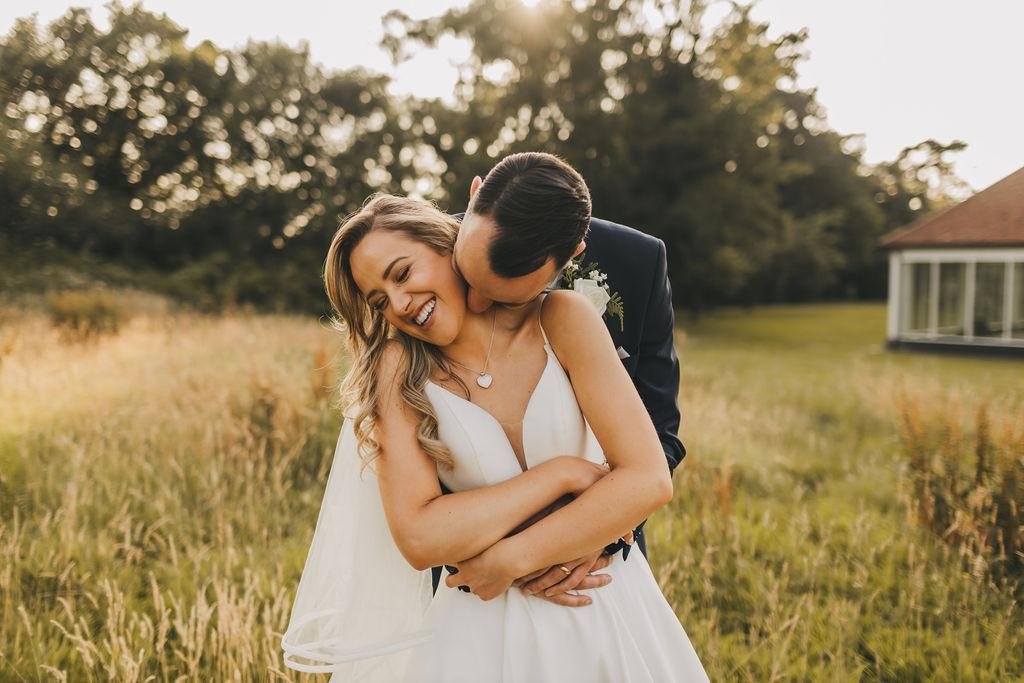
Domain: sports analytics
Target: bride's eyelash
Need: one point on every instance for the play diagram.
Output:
(403, 275)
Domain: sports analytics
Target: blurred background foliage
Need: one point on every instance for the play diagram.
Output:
(218, 176)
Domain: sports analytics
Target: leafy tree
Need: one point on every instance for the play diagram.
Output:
(700, 138)
(224, 173)
(227, 170)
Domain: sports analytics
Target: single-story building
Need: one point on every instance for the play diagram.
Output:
(956, 277)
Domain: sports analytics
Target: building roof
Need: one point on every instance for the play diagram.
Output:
(993, 217)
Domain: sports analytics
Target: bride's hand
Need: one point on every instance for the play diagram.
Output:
(487, 575)
(583, 474)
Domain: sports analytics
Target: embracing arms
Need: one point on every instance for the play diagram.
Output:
(638, 483)
(654, 369)
(431, 529)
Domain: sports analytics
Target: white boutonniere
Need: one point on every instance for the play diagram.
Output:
(593, 284)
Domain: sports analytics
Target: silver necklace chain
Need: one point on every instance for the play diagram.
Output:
(483, 379)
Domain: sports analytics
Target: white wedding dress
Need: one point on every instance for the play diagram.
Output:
(628, 633)
(362, 613)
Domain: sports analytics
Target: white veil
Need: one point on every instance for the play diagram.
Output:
(360, 606)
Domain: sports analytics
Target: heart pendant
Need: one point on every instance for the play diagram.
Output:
(484, 380)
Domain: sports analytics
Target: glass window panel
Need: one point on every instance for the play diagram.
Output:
(988, 299)
(1017, 324)
(952, 291)
(917, 285)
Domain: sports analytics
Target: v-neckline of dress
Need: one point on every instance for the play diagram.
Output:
(522, 423)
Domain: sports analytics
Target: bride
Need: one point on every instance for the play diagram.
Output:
(511, 413)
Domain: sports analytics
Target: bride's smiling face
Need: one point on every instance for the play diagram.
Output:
(411, 285)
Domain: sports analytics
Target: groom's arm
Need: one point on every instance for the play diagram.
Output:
(657, 368)
(657, 375)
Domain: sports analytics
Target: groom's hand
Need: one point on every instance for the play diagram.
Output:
(553, 585)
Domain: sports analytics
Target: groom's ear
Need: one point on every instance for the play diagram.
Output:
(475, 185)
(579, 249)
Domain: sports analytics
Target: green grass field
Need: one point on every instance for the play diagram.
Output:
(159, 486)
(787, 551)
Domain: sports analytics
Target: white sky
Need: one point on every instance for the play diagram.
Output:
(898, 71)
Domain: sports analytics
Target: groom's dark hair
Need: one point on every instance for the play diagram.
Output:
(540, 206)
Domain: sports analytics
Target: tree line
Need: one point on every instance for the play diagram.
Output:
(222, 174)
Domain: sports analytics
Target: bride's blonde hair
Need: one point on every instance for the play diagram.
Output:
(368, 332)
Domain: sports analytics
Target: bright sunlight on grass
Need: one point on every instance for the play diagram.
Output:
(159, 486)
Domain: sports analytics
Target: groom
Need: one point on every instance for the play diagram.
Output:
(525, 221)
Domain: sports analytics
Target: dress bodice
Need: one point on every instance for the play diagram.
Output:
(552, 425)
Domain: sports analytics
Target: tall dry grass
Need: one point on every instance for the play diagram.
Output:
(787, 551)
(967, 486)
(157, 490)
(159, 487)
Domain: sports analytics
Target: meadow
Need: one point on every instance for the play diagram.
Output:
(159, 483)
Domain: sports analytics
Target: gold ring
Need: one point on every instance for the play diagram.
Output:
(565, 569)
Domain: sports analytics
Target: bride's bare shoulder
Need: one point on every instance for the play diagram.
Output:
(569, 318)
(564, 306)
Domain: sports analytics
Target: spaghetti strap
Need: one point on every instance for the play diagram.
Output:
(540, 315)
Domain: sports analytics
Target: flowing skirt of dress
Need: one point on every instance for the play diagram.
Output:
(629, 633)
